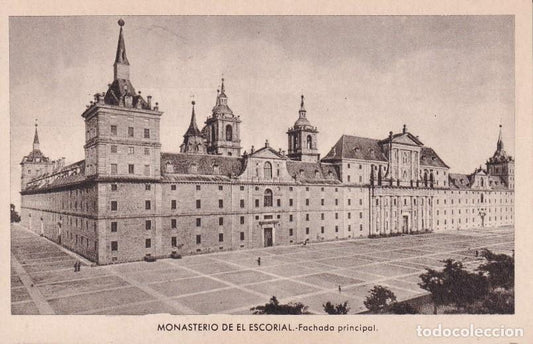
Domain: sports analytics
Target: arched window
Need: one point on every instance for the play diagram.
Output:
(481, 198)
(229, 133)
(309, 142)
(267, 169)
(268, 198)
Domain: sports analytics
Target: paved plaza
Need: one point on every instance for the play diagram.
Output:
(43, 280)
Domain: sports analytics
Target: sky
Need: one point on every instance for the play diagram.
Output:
(450, 79)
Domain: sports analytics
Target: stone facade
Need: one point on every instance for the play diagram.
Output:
(127, 200)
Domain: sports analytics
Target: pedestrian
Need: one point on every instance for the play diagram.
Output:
(259, 261)
(76, 267)
(477, 253)
(340, 290)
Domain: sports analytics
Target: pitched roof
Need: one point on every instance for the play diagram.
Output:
(120, 88)
(206, 164)
(458, 181)
(68, 175)
(33, 155)
(428, 157)
(354, 147)
(313, 172)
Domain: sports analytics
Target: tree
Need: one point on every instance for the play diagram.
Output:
(380, 299)
(341, 308)
(454, 285)
(403, 308)
(15, 217)
(274, 307)
(500, 301)
(499, 269)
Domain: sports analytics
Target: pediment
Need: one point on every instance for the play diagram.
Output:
(266, 153)
(406, 139)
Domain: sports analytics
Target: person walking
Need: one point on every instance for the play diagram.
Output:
(259, 261)
(76, 267)
(340, 290)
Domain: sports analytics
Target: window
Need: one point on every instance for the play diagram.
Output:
(229, 133)
(198, 222)
(148, 224)
(197, 187)
(290, 218)
(173, 187)
(114, 205)
(198, 239)
(114, 148)
(220, 221)
(173, 223)
(173, 204)
(336, 216)
(241, 188)
(148, 243)
(336, 201)
(147, 151)
(113, 168)
(130, 131)
(242, 236)
(220, 188)
(307, 201)
(147, 187)
(267, 170)
(114, 245)
(290, 202)
(146, 133)
(268, 198)
(242, 220)
(114, 130)
(114, 227)
(147, 205)
(336, 229)
(322, 216)
(220, 237)
(198, 204)
(307, 230)
(278, 202)
(360, 214)
(114, 187)
(131, 168)
(174, 241)
(322, 229)
(221, 203)
(290, 231)
(242, 203)
(306, 217)
(131, 150)
(257, 203)
(309, 142)
(322, 201)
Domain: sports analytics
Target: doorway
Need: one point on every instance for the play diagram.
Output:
(268, 237)
(405, 224)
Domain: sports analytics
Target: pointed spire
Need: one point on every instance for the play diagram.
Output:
(36, 138)
(499, 145)
(121, 65)
(302, 107)
(193, 127)
(222, 87)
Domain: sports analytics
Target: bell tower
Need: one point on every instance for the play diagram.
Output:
(303, 138)
(222, 129)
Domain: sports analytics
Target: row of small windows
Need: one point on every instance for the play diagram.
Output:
(131, 150)
(131, 169)
(131, 132)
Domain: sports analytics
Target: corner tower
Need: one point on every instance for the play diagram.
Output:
(35, 163)
(222, 128)
(501, 164)
(303, 138)
(122, 128)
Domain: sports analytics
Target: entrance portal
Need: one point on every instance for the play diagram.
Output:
(405, 224)
(268, 237)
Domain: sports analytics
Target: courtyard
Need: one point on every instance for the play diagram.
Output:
(43, 280)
